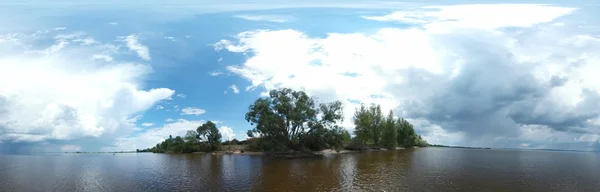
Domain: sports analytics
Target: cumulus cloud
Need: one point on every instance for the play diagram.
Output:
(181, 95)
(58, 95)
(226, 133)
(234, 89)
(169, 120)
(159, 107)
(192, 111)
(269, 18)
(459, 79)
(132, 42)
(151, 137)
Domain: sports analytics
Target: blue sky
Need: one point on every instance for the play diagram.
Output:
(113, 75)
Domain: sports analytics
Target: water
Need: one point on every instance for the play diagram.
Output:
(427, 169)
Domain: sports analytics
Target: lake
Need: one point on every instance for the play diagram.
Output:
(425, 169)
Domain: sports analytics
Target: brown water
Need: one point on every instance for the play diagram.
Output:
(427, 169)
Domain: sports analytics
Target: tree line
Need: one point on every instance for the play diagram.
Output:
(372, 128)
(206, 138)
(291, 120)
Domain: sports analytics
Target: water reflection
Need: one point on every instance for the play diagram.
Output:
(430, 169)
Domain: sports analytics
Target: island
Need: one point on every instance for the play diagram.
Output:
(289, 123)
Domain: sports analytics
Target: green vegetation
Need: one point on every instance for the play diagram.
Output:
(206, 138)
(289, 121)
(374, 130)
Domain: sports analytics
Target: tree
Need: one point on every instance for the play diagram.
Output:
(347, 137)
(288, 119)
(178, 144)
(407, 137)
(376, 122)
(362, 122)
(369, 123)
(191, 136)
(388, 137)
(212, 135)
(335, 138)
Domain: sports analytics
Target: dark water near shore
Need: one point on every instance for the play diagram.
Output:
(427, 169)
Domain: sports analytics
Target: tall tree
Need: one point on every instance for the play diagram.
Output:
(288, 118)
(362, 122)
(210, 132)
(191, 136)
(376, 122)
(388, 137)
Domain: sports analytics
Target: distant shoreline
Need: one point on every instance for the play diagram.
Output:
(328, 151)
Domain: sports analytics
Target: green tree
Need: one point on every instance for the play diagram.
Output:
(347, 137)
(369, 122)
(191, 136)
(212, 135)
(389, 132)
(335, 138)
(376, 123)
(288, 119)
(406, 135)
(362, 122)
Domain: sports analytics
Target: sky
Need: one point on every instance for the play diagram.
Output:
(124, 75)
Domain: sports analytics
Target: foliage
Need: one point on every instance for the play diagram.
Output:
(289, 119)
(206, 138)
(212, 135)
(388, 138)
(372, 128)
(406, 136)
(346, 137)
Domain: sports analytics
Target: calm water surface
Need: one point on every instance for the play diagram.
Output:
(427, 169)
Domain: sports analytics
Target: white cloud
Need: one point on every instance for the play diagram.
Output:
(170, 38)
(480, 16)
(181, 95)
(416, 71)
(159, 107)
(226, 133)
(103, 57)
(176, 107)
(147, 124)
(234, 89)
(70, 148)
(113, 23)
(269, 18)
(59, 28)
(86, 41)
(192, 111)
(216, 73)
(132, 42)
(66, 96)
(151, 137)
(169, 120)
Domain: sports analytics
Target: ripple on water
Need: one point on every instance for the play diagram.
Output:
(429, 169)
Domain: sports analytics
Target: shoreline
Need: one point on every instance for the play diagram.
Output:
(295, 154)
